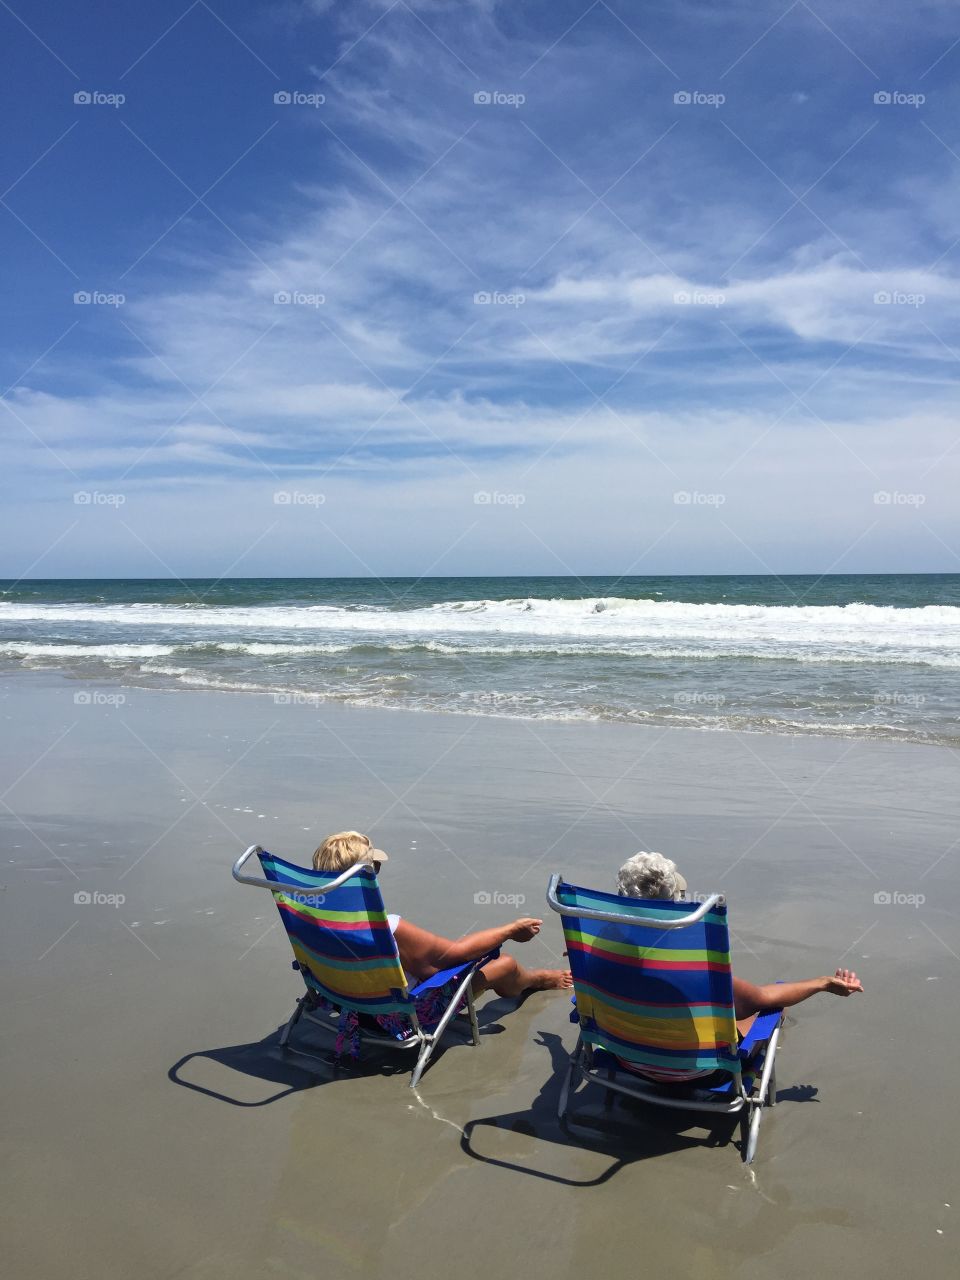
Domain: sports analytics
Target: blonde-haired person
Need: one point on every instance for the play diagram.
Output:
(651, 875)
(423, 954)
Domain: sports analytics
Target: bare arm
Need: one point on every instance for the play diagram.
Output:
(749, 999)
(422, 953)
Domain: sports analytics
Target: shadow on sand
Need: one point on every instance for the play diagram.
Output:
(306, 1063)
(606, 1123)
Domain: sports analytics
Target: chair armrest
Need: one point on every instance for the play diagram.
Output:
(760, 1032)
(446, 975)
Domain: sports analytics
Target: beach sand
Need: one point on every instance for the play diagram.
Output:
(152, 1127)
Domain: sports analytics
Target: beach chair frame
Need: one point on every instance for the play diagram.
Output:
(420, 1041)
(744, 1093)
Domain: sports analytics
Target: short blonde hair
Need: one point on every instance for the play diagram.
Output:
(341, 850)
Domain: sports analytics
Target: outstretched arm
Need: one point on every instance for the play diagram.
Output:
(423, 953)
(749, 999)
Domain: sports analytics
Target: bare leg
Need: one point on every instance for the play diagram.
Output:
(508, 978)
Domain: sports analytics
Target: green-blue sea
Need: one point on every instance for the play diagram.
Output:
(850, 655)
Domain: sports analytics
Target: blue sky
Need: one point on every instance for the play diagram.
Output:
(722, 334)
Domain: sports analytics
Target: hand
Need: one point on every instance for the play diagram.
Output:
(843, 983)
(524, 929)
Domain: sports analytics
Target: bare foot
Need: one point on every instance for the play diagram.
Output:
(548, 980)
(844, 983)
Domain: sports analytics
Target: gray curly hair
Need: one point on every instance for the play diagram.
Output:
(650, 875)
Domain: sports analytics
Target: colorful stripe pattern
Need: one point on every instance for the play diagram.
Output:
(658, 1000)
(342, 941)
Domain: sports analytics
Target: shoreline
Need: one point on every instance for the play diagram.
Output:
(289, 697)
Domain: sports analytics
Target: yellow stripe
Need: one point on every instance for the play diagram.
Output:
(354, 982)
(666, 1033)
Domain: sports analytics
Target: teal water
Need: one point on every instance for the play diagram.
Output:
(854, 655)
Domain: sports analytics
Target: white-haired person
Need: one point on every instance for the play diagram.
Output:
(651, 875)
(423, 954)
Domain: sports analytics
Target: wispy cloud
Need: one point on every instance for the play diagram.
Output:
(544, 245)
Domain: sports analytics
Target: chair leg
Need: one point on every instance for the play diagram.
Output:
(425, 1052)
(472, 1010)
(568, 1079)
(294, 1019)
(751, 1128)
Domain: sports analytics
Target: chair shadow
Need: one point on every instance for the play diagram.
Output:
(637, 1131)
(316, 1063)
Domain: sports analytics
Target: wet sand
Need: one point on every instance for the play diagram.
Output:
(153, 1128)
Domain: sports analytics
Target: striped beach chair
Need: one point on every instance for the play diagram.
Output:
(654, 1003)
(347, 957)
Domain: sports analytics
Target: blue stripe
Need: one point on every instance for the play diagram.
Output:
(653, 986)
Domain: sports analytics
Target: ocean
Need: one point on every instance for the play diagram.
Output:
(848, 655)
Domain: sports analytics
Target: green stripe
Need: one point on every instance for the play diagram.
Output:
(378, 962)
(323, 913)
(646, 953)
